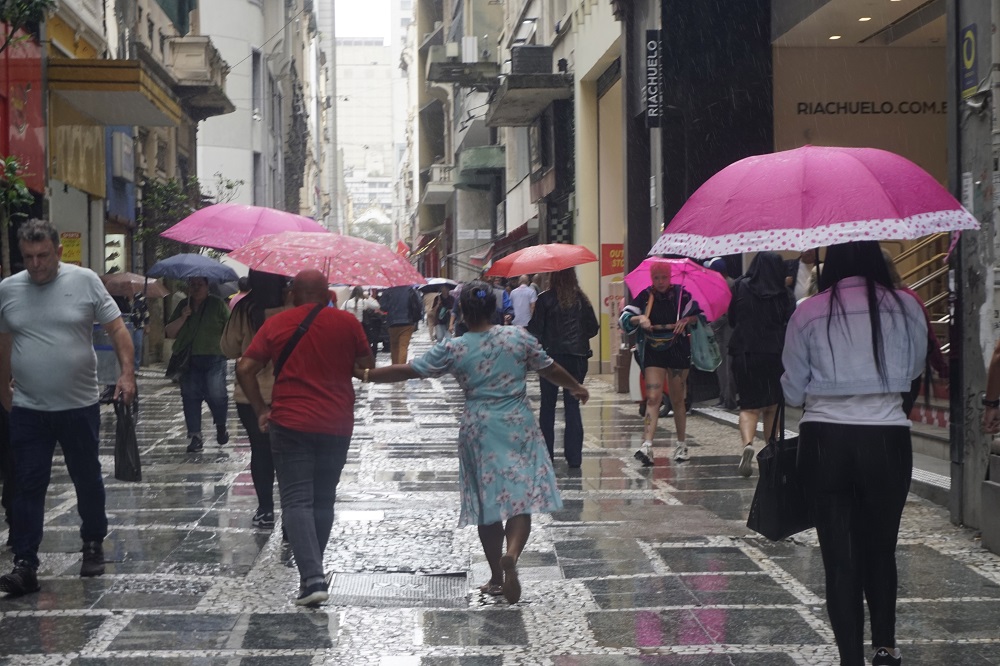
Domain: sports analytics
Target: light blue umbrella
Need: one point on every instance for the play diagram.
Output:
(189, 265)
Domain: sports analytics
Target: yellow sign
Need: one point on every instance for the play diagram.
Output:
(970, 69)
(72, 247)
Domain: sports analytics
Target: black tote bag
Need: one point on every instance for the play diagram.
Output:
(778, 509)
(127, 465)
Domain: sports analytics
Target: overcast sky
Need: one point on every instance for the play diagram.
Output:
(362, 18)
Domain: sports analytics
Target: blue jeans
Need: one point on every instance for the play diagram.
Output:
(573, 438)
(308, 467)
(204, 380)
(33, 437)
(441, 331)
(137, 344)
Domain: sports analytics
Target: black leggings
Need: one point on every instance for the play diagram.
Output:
(856, 478)
(261, 460)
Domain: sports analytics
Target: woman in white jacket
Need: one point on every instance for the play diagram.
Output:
(850, 353)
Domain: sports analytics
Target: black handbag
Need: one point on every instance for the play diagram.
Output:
(779, 509)
(127, 465)
(180, 361)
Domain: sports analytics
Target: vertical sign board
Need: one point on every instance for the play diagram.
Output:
(612, 269)
(654, 79)
(970, 69)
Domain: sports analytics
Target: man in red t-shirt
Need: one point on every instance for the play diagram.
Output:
(311, 416)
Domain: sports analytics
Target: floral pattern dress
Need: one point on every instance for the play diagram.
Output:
(504, 467)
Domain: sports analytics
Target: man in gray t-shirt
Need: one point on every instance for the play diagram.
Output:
(47, 315)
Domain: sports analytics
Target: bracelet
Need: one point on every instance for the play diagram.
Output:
(365, 377)
(990, 403)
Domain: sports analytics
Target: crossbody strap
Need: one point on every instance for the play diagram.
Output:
(294, 340)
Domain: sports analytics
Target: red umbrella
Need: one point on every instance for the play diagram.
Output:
(227, 226)
(541, 259)
(130, 284)
(343, 259)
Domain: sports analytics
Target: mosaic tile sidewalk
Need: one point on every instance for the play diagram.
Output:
(642, 565)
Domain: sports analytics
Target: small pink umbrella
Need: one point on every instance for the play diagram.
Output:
(343, 259)
(812, 196)
(706, 286)
(227, 226)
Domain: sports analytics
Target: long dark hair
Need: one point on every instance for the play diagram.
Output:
(766, 276)
(860, 259)
(266, 291)
(478, 302)
(567, 289)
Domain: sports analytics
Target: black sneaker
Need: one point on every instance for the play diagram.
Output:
(313, 595)
(884, 657)
(641, 456)
(221, 435)
(93, 559)
(196, 444)
(22, 580)
(263, 520)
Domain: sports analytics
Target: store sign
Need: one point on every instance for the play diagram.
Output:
(654, 79)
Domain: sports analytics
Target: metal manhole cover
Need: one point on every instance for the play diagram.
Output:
(399, 590)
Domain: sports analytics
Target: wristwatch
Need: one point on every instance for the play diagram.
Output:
(990, 403)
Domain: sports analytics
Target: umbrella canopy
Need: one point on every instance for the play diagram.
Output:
(227, 226)
(343, 259)
(189, 265)
(812, 196)
(706, 286)
(437, 284)
(130, 284)
(541, 259)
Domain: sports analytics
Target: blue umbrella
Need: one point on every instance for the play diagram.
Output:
(183, 266)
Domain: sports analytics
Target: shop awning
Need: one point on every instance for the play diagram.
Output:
(483, 257)
(113, 92)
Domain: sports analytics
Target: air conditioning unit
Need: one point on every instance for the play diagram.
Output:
(122, 156)
(470, 49)
(531, 59)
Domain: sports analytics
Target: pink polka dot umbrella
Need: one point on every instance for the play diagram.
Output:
(812, 196)
(343, 259)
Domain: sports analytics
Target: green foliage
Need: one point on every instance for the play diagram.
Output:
(18, 14)
(373, 231)
(164, 204)
(226, 189)
(14, 197)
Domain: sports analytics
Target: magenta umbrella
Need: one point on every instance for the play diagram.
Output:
(227, 226)
(809, 197)
(343, 259)
(706, 286)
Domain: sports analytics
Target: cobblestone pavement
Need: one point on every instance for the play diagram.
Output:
(642, 566)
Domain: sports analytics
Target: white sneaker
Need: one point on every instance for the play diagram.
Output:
(681, 453)
(746, 461)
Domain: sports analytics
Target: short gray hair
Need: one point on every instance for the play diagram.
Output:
(36, 231)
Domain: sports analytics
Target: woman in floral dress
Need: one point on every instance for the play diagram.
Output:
(504, 466)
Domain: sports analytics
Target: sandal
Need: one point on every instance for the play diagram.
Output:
(492, 589)
(511, 585)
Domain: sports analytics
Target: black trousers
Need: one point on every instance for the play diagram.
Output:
(856, 478)
(261, 460)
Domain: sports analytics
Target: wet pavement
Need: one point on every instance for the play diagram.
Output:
(641, 566)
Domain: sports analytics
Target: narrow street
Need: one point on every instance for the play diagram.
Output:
(642, 566)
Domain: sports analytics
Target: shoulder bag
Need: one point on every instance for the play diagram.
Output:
(294, 340)
(180, 359)
(778, 509)
(705, 354)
